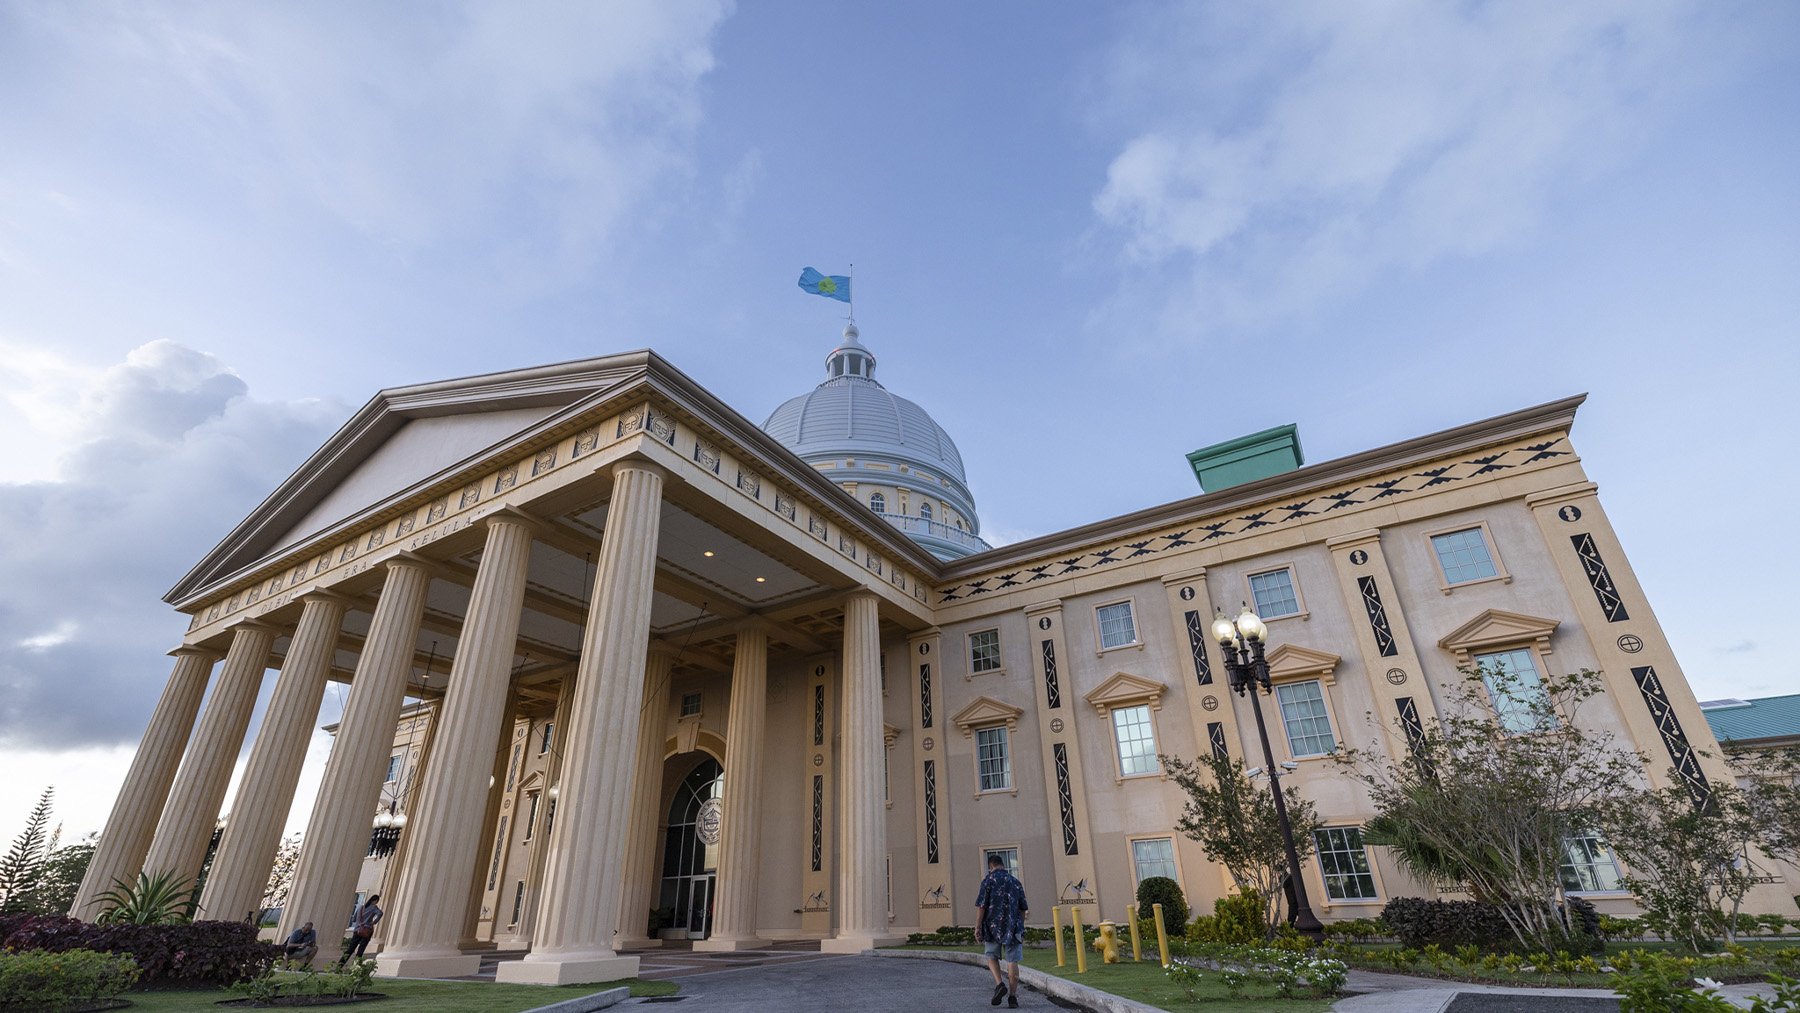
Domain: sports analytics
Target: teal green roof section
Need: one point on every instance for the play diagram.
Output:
(1769, 717)
(1247, 458)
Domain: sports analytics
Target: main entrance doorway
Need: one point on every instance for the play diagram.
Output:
(691, 850)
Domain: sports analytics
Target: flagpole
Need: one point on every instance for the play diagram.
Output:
(852, 299)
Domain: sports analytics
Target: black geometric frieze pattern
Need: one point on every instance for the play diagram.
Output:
(931, 844)
(819, 714)
(818, 823)
(1197, 644)
(1409, 720)
(1287, 513)
(1215, 732)
(1604, 590)
(925, 695)
(1674, 739)
(1065, 798)
(1052, 688)
(1378, 620)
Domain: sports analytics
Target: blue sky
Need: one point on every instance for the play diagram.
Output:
(1089, 238)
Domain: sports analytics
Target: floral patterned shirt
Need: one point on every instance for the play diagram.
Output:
(1002, 897)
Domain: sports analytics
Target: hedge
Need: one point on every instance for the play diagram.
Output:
(198, 953)
(36, 980)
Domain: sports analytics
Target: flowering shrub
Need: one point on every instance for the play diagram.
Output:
(1292, 973)
(346, 982)
(210, 953)
(37, 980)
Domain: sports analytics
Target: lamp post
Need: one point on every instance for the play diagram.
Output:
(1242, 643)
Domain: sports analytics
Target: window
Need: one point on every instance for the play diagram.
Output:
(1116, 626)
(1274, 593)
(925, 510)
(1514, 687)
(531, 812)
(1344, 864)
(518, 902)
(549, 737)
(1009, 856)
(1154, 856)
(1464, 556)
(393, 769)
(993, 759)
(1137, 740)
(984, 651)
(690, 705)
(878, 503)
(1587, 866)
(1303, 714)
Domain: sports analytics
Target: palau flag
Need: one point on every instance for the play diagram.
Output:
(831, 286)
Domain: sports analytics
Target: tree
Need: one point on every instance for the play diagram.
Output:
(1491, 792)
(60, 877)
(25, 859)
(281, 874)
(1690, 861)
(1770, 779)
(1234, 823)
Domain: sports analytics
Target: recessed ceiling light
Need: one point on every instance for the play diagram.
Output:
(760, 580)
(708, 553)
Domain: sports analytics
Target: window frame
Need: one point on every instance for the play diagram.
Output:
(547, 738)
(998, 666)
(1012, 783)
(1331, 718)
(1445, 584)
(1112, 720)
(1537, 666)
(1375, 883)
(532, 807)
(1612, 858)
(396, 766)
(1131, 843)
(1300, 609)
(1137, 633)
(878, 502)
(699, 698)
(1016, 866)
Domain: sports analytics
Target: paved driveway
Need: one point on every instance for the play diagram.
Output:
(841, 983)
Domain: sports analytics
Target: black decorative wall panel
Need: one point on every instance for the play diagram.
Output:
(1378, 620)
(931, 829)
(1196, 628)
(1681, 753)
(1065, 798)
(1052, 688)
(1215, 733)
(818, 823)
(925, 695)
(819, 714)
(1604, 590)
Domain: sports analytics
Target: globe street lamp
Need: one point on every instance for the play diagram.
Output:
(1242, 642)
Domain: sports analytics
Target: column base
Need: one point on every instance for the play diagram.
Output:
(856, 943)
(638, 943)
(720, 944)
(427, 965)
(603, 965)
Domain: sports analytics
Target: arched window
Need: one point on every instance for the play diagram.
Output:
(689, 862)
(878, 503)
(925, 510)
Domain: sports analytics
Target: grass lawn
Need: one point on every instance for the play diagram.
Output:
(1145, 982)
(464, 996)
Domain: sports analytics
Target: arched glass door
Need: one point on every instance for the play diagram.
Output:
(691, 849)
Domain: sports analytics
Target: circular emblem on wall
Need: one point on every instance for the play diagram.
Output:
(1397, 676)
(928, 743)
(1631, 644)
(706, 824)
(924, 648)
(1044, 623)
(1570, 513)
(820, 671)
(1187, 594)
(1358, 557)
(1056, 725)
(818, 759)
(1209, 703)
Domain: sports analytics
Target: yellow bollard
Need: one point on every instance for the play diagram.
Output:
(1162, 934)
(1137, 952)
(1108, 943)
(1080, 943)
(1056, 920)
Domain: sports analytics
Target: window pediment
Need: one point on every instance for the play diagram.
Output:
(1291, 661)
(1124, 689)
(888, 734)
(1499, 628)
(984, 711)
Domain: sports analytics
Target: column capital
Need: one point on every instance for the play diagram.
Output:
(756, 621)
(514, 515)
(195, 651)
(327, 595)
(1181, 576)
(409, 558)
(634, 462)
(1354, 538)
(861, 591)
(255, 626)
(1561, 494)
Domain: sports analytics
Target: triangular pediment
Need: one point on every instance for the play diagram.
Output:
(984, 711)
(1124, 688)
(1291, 661)
(1499, 628)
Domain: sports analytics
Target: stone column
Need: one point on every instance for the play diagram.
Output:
(574, 937)
(240, 870)
(486, 860)
(734, 909)
(396, 862)
(861, 882)
(337, 836)
(193, 810)
(120, 853)
(422, 941)
(640, 893)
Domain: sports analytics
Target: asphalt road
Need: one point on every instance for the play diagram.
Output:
(860, 984)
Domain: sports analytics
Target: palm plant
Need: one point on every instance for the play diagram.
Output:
(162, 899)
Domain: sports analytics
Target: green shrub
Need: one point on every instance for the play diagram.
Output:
(1356, 930)
(200, 953)
(1165, 891)
(1771, 925)
(1658, 984)
(1417, 922)
(40, 980)
(1236, 920)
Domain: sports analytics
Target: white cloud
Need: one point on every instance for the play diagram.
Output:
(1285, 158)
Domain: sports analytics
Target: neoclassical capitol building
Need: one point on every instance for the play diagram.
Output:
(613, 649)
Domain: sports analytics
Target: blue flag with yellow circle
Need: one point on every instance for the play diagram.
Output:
(831, 286)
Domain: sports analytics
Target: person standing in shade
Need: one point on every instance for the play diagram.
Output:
(1000, 925)
(362, 928)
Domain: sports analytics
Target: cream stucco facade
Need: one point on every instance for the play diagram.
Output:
(701, 674)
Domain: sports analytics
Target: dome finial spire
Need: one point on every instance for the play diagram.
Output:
(850, 358)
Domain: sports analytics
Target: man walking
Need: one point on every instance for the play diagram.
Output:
(1000, 924)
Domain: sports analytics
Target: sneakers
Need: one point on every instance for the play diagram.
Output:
(999, 994)
(1012, 1002)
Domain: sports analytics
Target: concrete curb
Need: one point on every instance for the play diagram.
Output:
(1049, 984)
(585, 1003)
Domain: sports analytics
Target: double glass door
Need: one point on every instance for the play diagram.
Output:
(691, 850)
